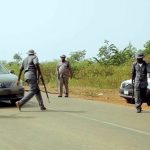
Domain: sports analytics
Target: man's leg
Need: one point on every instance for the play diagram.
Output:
(40, 100)
(28, 96)
(60, 81)
(66, 81)
(143, 94)
(138, 100)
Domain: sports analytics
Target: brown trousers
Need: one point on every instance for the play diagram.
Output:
(63, 82)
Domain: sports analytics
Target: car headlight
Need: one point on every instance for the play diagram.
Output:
(123, 85)
(15, 83)
(126, 85)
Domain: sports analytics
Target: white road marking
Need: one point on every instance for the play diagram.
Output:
(112, 124)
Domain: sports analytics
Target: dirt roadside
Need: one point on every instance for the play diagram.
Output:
(108, 96)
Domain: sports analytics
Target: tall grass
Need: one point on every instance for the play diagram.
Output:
(85, 74)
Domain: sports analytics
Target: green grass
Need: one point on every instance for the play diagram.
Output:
(86, 74)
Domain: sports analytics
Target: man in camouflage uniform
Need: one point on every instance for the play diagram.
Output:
(139, 80)
(32, 73)
(63, 73)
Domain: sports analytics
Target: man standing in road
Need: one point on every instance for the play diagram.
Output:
(139, 80)
(64, 71)
(32, 73)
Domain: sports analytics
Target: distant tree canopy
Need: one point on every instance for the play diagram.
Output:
(77, 56)
(17, 57)
(147, 47)
(109, 54)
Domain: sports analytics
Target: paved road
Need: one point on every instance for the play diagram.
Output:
(73, 124)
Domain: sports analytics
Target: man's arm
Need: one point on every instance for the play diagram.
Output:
(38, 69)
(39, 73)
(133, 73)
(19, 76)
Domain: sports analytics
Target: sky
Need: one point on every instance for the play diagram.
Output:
(56, 27)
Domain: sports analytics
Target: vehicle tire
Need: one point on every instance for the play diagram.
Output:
(130, 101)
(148, 102)
(13, 102)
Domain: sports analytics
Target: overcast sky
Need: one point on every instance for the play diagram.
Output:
(55, 27)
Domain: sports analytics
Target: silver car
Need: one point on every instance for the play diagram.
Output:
(9, 91)
(126, 91)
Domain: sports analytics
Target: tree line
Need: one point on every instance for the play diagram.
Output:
(106, 70)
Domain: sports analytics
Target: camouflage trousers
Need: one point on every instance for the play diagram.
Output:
(63, 82)
(34, 90)
(140, 95)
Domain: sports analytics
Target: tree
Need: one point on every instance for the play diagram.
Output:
(17, 58)
(109, 54)
(123, 56)
(106, 52)
(147, 47)
(77, 56)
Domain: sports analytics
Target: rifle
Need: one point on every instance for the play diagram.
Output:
(45, 89)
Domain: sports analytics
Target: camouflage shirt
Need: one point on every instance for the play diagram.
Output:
(64, 69)
(28, 65)
(139, 74)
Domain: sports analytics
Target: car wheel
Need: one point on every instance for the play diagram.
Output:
(13, 102)
(148, 102)
(130, 101)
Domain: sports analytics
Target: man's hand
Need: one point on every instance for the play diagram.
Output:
(41, 78)
(17, 82)
(132, 82)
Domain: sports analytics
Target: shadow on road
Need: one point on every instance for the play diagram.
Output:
(4, 104)
(15, 117)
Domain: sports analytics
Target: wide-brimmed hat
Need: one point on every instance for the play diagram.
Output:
(63, 56)
(140, 55)
(31, 52)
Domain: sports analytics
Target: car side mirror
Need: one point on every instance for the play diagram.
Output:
(12, 71)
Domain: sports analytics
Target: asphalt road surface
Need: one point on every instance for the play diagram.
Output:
(73, 124)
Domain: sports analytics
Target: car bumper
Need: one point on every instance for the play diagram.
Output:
(126, 93)
(11, 93)
(126, 96)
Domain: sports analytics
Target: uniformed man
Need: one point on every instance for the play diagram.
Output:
(64, 71)
(139, 80)
(32, 73)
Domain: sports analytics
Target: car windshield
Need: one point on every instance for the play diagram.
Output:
(3, 70)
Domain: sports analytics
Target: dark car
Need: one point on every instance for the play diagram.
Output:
(9, 91)
(126, 91)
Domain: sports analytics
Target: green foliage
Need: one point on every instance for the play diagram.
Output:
(17, 58)
(49, 71)
(147, 47)
(106, 52)
(13, 66)
(100, 76)
(110, 54)
(108, 70)
(77, 56)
